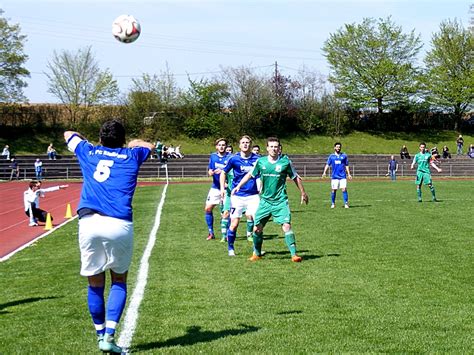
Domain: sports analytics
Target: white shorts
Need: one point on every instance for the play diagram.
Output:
(239, 204)
(338, 184)
(213, 197)
(105, 243)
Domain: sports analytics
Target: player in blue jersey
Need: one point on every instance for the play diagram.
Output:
(217, 161)
(340, 173)
(105, 221)
(247, 198)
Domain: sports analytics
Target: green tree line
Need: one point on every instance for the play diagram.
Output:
(375, 83)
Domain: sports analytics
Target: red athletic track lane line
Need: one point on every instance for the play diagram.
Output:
(14, 229)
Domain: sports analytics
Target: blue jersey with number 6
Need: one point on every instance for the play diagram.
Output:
(110, 176)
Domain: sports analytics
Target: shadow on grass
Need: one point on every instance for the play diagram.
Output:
(195, 335)
(303, 253)
(284, 313)
(23, 301)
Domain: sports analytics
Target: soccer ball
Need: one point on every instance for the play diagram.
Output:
(126, 29)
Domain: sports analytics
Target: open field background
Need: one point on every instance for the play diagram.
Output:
(387, 275)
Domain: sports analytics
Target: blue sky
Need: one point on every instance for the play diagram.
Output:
(198, 38)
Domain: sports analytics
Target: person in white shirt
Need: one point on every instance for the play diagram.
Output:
(31, 200)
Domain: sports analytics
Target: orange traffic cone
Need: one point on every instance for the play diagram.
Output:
(68, 211)
(49, 225)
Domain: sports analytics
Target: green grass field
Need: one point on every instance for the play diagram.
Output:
(388, 275)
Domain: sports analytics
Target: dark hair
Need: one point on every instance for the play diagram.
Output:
(112, 134)
(338, 143)
(273, 139)
(33, 183)
(423, 143)
(218, 140)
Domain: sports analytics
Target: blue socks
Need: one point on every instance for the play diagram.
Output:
(95, 301)
(333, 197)
(345, 197)
(230, 239)
(210, 222)
(115, 305)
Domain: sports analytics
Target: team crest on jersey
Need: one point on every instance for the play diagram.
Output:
(278, 168)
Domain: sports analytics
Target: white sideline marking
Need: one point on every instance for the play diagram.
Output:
(8, 256)
(131, 315)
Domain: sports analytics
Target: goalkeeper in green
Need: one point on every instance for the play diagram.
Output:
(423, 174)
(273, 170)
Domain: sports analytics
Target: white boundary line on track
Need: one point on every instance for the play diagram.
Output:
(8, 256)
(131, 315)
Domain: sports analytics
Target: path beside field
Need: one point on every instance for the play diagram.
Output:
(14, 229)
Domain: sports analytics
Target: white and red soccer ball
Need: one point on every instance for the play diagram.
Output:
(126, 29)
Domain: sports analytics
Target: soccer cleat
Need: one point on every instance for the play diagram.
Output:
(100, 337)
(435, 200)
(420, 200)
(296, 259)
(231, 252)
(210, 236)
(333, 205)
(346, 205)
(107, 345)
(223, 239)
(33, 224)
(255, 257)
(250, 238)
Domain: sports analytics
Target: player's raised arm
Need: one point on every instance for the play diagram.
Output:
(69, 134)
(141, 143)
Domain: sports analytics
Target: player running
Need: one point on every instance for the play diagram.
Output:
(247, 198)
(273, 170)
(105, 221)
(340, 173)
(423, 173)
(217, 161)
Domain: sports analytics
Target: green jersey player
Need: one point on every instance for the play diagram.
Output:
(273, 170)
(423, 174)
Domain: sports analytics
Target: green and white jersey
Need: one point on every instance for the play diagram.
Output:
(423, 160)
(229, 178)
(273, 177)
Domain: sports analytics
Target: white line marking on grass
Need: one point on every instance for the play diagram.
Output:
(131, 315)
(8, 256)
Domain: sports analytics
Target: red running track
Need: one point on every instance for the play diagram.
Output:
(14, 229)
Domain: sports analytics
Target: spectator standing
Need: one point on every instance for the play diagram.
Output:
(38, 169)
(51, 152)
(404, 153)
(446, 153)
(459, 144)
(6, 152)
(392, 168)
(15, 169)
(110, 173)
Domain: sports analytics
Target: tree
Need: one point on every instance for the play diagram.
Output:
(450, 69)
(12, 59)
(78, 82)
(372, 63)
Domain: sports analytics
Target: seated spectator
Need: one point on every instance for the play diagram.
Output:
(6, 152)
(171, 152)
(404, 153)
(435, 153)
(178, 153)
(470, 152)
(446, 153)
(51, 152)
